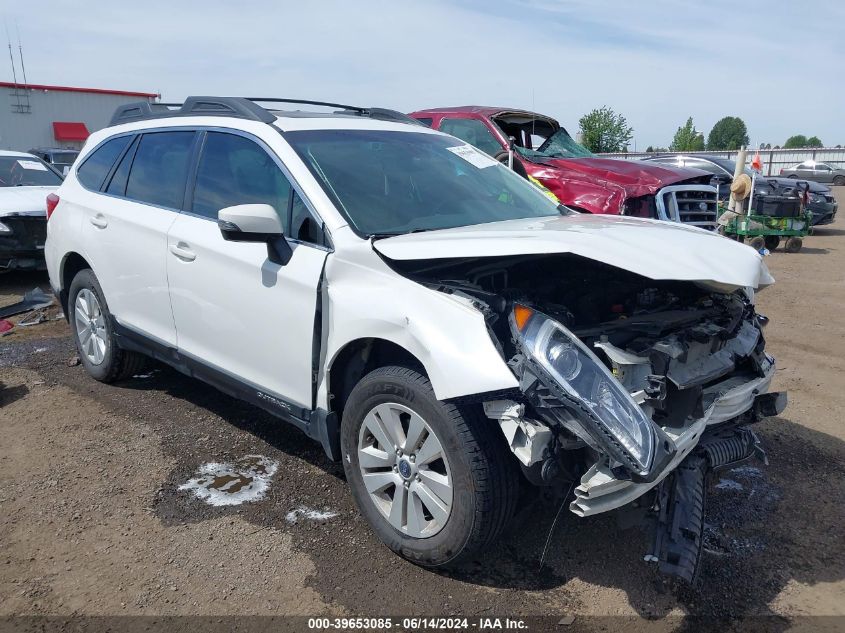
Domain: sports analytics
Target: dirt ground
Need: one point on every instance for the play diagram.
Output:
(92, 521)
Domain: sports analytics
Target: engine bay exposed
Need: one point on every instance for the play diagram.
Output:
(674, 346)
(691, 359)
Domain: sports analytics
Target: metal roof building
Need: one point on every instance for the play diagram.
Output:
(33, 115)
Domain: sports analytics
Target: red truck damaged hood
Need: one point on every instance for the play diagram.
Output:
(637, 178)
(602, 185)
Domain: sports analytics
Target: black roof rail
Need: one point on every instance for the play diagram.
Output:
(193, 106)
(327, 104)
(240, 107)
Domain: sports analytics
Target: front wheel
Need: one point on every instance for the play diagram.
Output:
(772, 242)
(435, 481)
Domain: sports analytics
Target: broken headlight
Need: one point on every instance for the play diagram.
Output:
(586, 379)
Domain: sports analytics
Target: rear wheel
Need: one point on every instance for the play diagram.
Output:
(839, 181)
(93, 332)
(793, 244)
(435, 481)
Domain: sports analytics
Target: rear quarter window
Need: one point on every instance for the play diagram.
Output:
(93, 171)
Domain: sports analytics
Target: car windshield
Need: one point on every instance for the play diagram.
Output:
(558, 145)
(389, 183)
(26, 171)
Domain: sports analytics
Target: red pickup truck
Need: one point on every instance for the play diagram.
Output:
(544, 151)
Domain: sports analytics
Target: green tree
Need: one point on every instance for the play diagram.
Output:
(814, 141)
(602, 130)
(728, 134)
(687, 138)
(793, 142)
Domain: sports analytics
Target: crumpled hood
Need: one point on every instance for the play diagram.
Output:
(638, 178)
(651, 248)
(24, 199)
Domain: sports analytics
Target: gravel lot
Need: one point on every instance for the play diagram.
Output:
(92, 521)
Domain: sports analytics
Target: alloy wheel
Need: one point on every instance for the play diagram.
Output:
(90, 326)
(405, 470)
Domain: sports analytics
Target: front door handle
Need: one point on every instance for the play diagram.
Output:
(183, 252)
(99, 221)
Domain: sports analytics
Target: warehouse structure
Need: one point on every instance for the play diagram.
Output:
(33, 115)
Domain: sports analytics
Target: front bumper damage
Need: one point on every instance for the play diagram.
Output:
(22, 239)
(701, 385)
(600, 490)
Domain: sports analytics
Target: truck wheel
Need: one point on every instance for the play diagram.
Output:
(92, 328)
(435, 481)
(772, 242)
(793, 244)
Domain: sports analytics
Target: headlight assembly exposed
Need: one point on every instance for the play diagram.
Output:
(585, 378)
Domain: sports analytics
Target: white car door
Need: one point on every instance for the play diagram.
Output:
(125, 225)
(235, 310)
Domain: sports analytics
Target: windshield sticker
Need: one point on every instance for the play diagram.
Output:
(32, 164)
(473, 156)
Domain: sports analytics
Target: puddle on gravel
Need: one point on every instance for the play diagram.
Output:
(309, 513)
(729, 484)
(230, 484)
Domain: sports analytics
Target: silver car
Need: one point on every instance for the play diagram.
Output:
(813, 170)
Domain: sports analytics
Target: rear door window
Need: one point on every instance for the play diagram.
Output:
(473, 132)
(160, 169)
(235, 170)
(96, 167)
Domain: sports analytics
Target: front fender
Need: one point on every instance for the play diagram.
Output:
(364, 298)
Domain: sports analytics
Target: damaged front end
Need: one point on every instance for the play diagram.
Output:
(630, 388)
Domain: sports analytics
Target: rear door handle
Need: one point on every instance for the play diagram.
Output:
(183, 252)
(99, 221)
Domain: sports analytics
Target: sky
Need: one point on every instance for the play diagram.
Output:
(779, 65)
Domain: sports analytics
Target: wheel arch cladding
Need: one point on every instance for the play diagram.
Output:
(358, 358)
(72, 264)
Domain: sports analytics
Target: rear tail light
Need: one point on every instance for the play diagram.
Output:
(52, 201)
(781, 171)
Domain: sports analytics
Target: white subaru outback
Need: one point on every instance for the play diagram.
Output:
(431, 318)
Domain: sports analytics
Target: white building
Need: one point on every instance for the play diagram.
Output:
(33, 115)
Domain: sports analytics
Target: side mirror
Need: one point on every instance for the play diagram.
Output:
(256, 223)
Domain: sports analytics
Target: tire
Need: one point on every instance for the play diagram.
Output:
(793, 244)
(477, 464)
(518, 167)
(793, 176)
(107, 362)
(757, 243)
(772, 242)
(839, 181)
